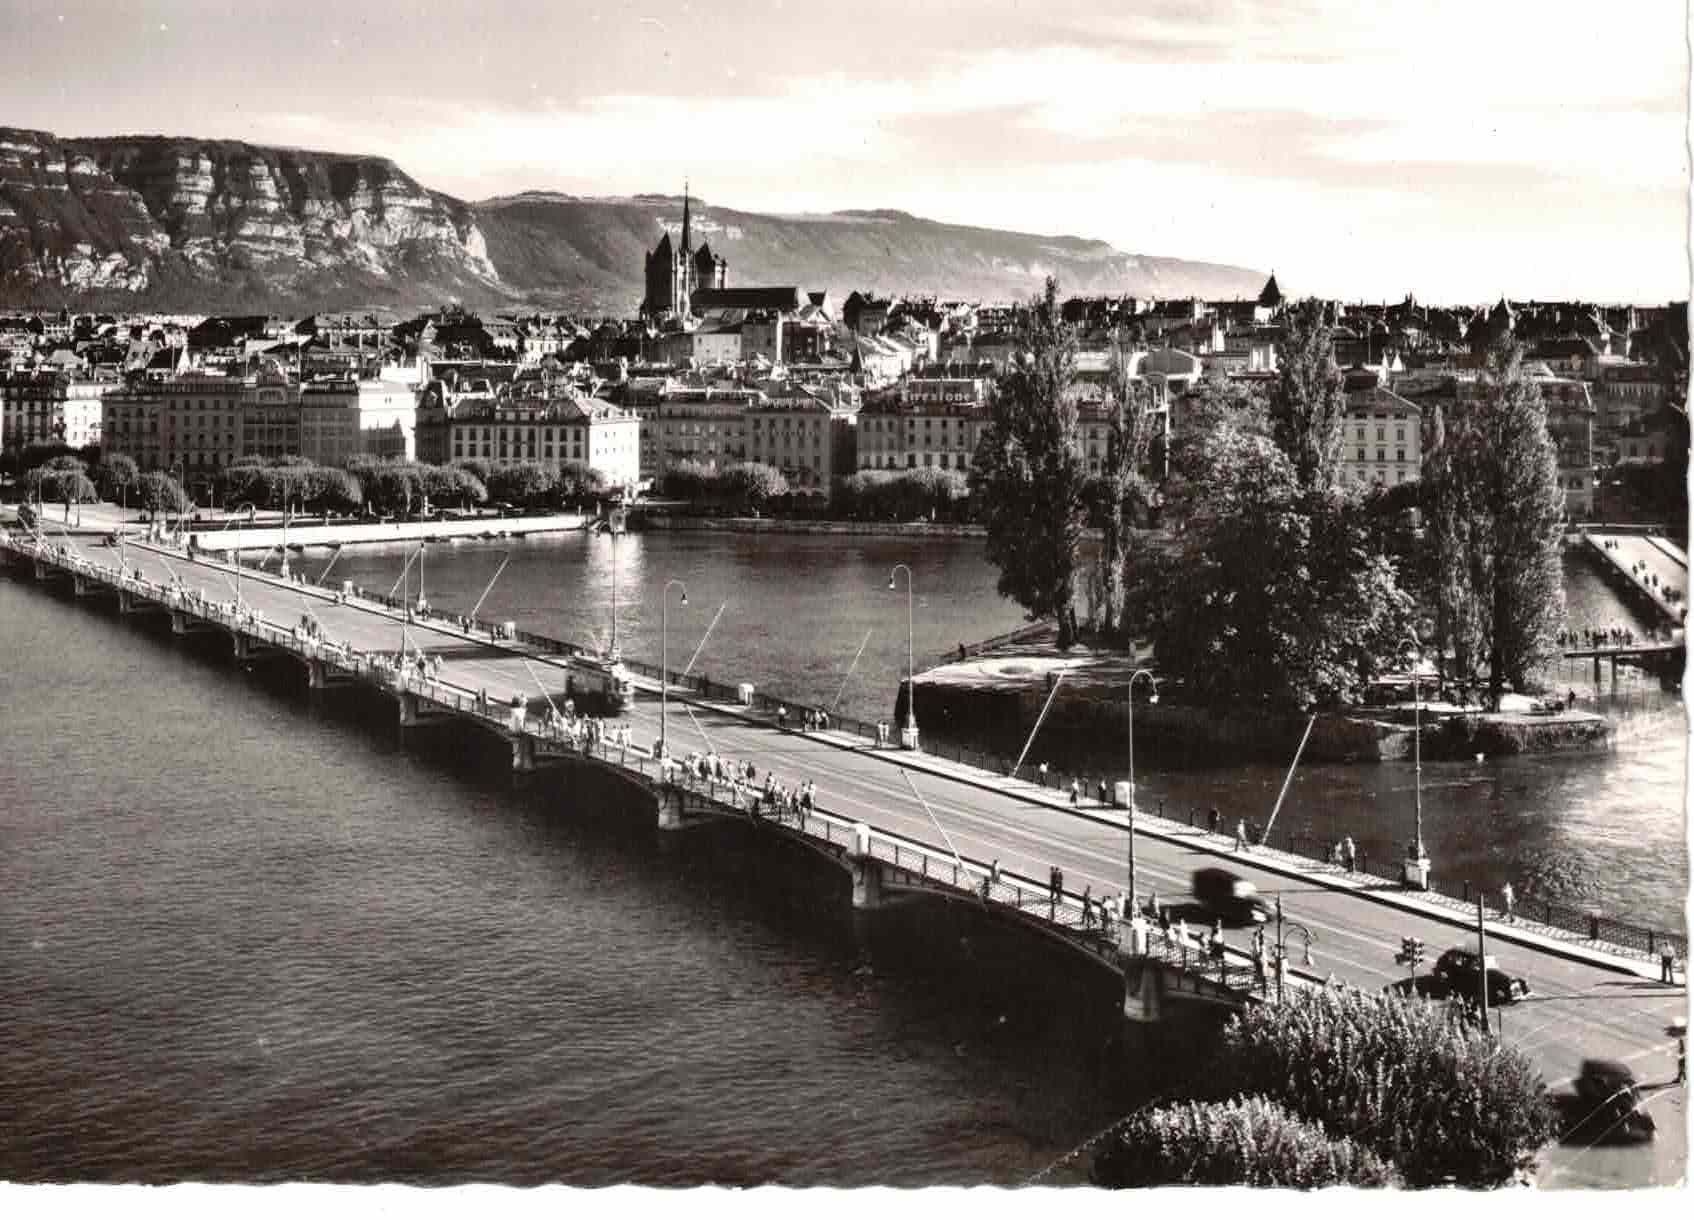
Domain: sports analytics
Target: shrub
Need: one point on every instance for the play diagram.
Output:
(1244, 1142)
(1416, 1084)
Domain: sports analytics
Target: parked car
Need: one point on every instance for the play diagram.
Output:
(1610, 1103)
(1228, 897)
(1460, 968)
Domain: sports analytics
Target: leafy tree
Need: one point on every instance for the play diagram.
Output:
(1308, 409)
(479, 469)
(327, 489)
(1029, 473)
(157, 492)
(689, 480)
(525, 483)
(1272, 591)
(1243, 1142)
(1129, 434)
(116, 474)
(578, 481)
(1497, 513)
(750, 485)
(1416, 1084)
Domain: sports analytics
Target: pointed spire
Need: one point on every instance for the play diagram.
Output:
(686, 247)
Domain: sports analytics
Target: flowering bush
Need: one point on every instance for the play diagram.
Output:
(1416, 1084)
(1245, 1142)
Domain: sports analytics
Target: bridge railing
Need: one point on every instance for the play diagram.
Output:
(1564, 920)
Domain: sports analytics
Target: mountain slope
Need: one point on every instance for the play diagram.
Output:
(545, 244)
(200, 225)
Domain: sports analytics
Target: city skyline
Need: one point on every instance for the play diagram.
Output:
(1473, 152)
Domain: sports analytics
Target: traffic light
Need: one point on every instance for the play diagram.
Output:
(1411, 953)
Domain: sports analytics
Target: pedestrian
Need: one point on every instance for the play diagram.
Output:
(823, 721)
(1087, 907)
(1102, 791)
(1042, 772)
(1216, 944)
(1667, 967)
(782, 716)
(1349, 853)
(1240, 834)
(1076, 795)
(1507, 900)
(1681, 1059)
(1182, 932)
(994, 871)
(1570, 699)
(1214, 819)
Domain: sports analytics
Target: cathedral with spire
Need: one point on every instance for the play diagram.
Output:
(675, 271)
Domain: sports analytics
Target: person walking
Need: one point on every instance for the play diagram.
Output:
(1102, 791)
(1076, 795)
(1214, 819)
(1087, 907)
(1508, 900)
(782, 717)
(1240, 834)
(1216, 943)
(1349, 854)
(1667, 967)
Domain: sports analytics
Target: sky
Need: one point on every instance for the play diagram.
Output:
(1455, 149)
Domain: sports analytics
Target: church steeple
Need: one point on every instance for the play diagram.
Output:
(687, 246)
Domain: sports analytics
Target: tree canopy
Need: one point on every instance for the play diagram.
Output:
(1029, 474)
(1308, 408)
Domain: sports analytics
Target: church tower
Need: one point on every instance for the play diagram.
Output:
(670, 270)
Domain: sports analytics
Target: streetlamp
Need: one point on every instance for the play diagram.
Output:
(1282, 945)
(665, 655)
(252, 509)
(183, 491)
(1129, 824)
(1417, 859)
(908, 735)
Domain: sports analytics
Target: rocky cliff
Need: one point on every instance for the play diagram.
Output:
(202, 223)
(213, 225)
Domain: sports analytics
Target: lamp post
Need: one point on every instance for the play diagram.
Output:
(1282, 944)
(665, 655)
(1129, 824)
(1417, 859)
(181, 489)
(909, 735)
(252, 510)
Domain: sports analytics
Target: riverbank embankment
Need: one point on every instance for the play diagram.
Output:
(217, 538)
(791, 525)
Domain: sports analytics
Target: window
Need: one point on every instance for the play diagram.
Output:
(1361, 456)
(1399, 455)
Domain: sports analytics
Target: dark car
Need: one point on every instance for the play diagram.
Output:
(1225, 896)
(1609, 1103)
(1460, 969)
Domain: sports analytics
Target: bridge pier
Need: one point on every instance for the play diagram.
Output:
(523, 754)
(41, 570)
(867, 885)
(184, 623)
(83, 587)
(126, 602)
(246, 647)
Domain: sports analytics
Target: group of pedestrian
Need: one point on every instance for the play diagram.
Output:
(1597, 637)
(1343, 854)
(781, 801)
(817, 722)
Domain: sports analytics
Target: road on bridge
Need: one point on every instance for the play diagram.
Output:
(1575, 1010)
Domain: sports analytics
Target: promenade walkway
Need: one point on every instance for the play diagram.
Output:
(1589, 998)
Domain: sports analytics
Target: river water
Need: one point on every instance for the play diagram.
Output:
(245, 936)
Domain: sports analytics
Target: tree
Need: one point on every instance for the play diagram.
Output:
(1272, 591)
(689, 480)
(753, 485)
(1309, 406)
(1029, 473)
(328, 489)
(1497, 513)
(578, 481)
(117, 473)
(1418, 1085)
(1242, 1142)
(525, 483)
(157, 492)
(1129, 433)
